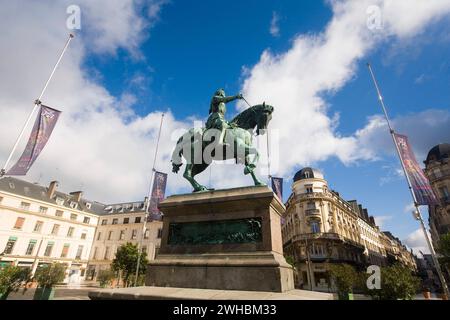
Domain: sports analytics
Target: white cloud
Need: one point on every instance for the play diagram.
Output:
(100, 144)
(417, 242)
(380, 220)
(274, 25)
(295, 82)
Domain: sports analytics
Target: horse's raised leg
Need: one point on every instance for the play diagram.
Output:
(189, 177)
(250, 166)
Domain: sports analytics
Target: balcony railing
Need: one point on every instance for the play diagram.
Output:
(312, 212)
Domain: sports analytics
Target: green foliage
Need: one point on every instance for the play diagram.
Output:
(345, 277)
(444, 249)
(49, 275)
(397, 282)
(105, 277)
(126, 262)
(290, 260)
(11, 279)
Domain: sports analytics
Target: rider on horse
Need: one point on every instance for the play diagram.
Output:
(217, 112)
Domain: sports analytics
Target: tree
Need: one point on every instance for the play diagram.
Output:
(105, 277)
(48, 276)
(345, 277)
(397, 282)
(11, 279)
(444, 249)
(126, 262)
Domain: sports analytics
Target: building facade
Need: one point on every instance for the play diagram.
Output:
(320, 229)
(437, 169)
(40, 225)
(120, 224)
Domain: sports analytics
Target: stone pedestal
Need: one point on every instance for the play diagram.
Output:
(224, 239)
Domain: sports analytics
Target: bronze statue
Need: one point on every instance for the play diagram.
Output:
(222, 140)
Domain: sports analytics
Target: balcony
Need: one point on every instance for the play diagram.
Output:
(311, 236)
(312, 213)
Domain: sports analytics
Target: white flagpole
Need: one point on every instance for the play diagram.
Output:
(37, 103)
(147, 203)
(417, 213)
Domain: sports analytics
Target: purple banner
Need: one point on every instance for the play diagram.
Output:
(158, 194)
(277, 187)
(419, 182)
(43, 127)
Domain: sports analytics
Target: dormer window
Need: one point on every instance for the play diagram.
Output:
(73, 204)
(88, 205)
(306, 174)
(59, 201)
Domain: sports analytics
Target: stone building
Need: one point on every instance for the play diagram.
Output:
(320, 229)
(40, 225)
(118, 225)
(437, 169)
(397, 252)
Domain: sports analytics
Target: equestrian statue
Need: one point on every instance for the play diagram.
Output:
(222, 140)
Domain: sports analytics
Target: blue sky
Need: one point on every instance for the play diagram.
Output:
(133, 63)
(197, 48)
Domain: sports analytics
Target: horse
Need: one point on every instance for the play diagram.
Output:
(199, 149)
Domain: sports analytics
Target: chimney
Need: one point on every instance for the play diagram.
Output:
(52, 188)
(372, 221)
(366, 215)
(76, 195)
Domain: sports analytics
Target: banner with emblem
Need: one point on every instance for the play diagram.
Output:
(158, 194)
(42, 129)
(277, 187)
(419, 182)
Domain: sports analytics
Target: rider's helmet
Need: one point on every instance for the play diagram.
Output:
(220, 93)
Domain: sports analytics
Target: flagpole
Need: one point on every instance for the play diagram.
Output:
(418, 213)
(147, 203)
(37, 103)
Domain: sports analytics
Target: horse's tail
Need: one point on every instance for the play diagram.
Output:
(176, 160)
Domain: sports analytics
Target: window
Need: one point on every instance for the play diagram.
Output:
(59, 213)
(311, 205)
(315, 227)
(133, 234)
(19, 223)
(94, 256)
(104, 222)
(30, 247)
(159, 233)
(48, 249)
(115, 221)
(137, 220)
(70, 231)
(144, 249)
(126, 220)
(24, 206)
(79, 252)
(86, 220)
(59, 201)
(43, 210)
(146, 234)
(106, 257)
(73, 204)
(38, 226)
(73, 216)
(110, 235)
(55, 229)
(88, 205)
(99, 236)
(309, 190)
(83, 236)
(65, 250)
(10, 245)
(122, 235)
(444, 192)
